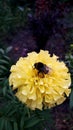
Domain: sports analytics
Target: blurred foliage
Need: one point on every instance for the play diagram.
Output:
(69, 62)
(11, 17)
(16, 116)
(5, 63)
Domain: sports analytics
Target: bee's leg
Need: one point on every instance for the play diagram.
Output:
(41, 75)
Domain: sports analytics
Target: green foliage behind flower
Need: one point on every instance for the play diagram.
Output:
(69, 61)
(11, 18)
(5, 63)
(16, 116)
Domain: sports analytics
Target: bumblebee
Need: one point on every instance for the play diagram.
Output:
(42, 68)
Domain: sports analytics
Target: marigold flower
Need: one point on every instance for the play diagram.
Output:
(43, 86)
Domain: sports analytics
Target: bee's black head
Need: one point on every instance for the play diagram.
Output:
(38, 65)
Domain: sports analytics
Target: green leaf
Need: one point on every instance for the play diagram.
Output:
(4, 91)
(3, 81)
(23, 118)
(6, 57)
(3, 68)
(15, 126)
(2, 121)
(32, 121)
(22, 122)
(6, 124)
(71, 99)
(1, 92)
(2, 61)
(8, 49)
(64, 0)
(1, 71)
(44, 114)
(2, 51)
(8, 108)
(9, 125)
(12, 111)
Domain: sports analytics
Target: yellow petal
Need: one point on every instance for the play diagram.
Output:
(38, 90)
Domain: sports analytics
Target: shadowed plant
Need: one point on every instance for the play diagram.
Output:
(69, 62)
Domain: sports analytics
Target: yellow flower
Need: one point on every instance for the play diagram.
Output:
(41, 80)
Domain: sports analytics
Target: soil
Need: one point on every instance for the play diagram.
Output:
(23, 42)
(63, 117)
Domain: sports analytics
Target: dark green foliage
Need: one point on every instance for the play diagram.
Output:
(69, 62)
(11, 17)
(63, 1)
(5, 63)
(22, 3)
(71, 98)
(16, 116)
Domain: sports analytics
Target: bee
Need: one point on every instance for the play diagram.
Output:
(42, 68)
